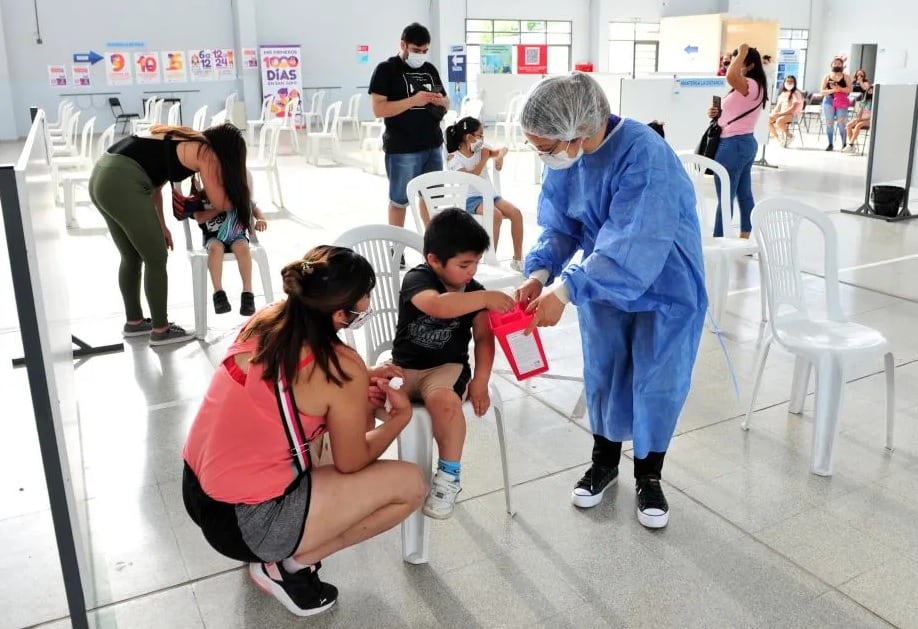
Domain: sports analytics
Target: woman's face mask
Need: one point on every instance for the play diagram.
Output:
(789, 86)
(561, 161)
(836, 68)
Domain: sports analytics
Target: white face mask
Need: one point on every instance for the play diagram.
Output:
(416, 59)
(476, 146)
(561, 161)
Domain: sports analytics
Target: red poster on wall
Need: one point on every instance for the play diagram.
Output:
(532, 58)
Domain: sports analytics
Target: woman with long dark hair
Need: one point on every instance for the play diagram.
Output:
(126, 187)
(250, 480)
(836, 86)
(737, 117)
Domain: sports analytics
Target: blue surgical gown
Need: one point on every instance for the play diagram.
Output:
(639, 289)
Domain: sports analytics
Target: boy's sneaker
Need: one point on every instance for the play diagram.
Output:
(247, 304)
(652, 508)
(175, 334)
(221, 302)
(137, 329)
(302, 593)
(442, 496)
(589, 490)
(516, 265)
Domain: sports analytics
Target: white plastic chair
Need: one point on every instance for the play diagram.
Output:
(65, 145)
(351, 116)
(81, 161)
(383, 246)
(371, 128)
(315, 111)
(56, 128)
(444, 189)
(229, 106)
(510, 125)
(329, 132)
(197, 256)
(253, 125)
(288, 122)
(371, 146)
(146, 117)
(831, 344)
(719, 252)
(199, 117)
(172, 116)
(265, 160)
(156, 117)
(71, 179)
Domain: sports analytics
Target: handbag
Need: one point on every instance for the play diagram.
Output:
(710, 139)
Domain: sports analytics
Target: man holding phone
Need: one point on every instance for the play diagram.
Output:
(406, 91)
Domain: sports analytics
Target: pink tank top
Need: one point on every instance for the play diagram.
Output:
(245, 445)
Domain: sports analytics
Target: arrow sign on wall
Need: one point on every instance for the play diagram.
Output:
(691, 50)
(87, 57)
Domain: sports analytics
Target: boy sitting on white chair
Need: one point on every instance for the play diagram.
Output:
(227, 232)
(441, 308)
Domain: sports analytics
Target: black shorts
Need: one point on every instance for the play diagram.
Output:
(268, 531)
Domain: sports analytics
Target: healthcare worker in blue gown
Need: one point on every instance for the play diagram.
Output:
(615, 191)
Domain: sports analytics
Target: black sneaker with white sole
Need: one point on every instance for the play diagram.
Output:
(302, 593)
(652, 508)
(589, 490)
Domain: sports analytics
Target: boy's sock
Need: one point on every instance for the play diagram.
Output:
(449, 467)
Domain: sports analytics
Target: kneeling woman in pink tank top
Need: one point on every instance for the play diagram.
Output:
(250, 481)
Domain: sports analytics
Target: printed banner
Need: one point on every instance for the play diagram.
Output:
(81, 76)
(250, 58)
(147, 64)
(496, 59)
(174, 68)
(363, 53)
(117, 68)
(225, 63)
(202, 64)
(532, 59)
(456, 65)
(281, 76)
(57, 76)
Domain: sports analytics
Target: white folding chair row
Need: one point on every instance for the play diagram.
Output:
(446, 189)
(156, 117)
(831, 344)
(81, 161)
(66, 145)
(64, 110)
(315, 111)
(197, 256)
(471, 106)
(265, 160)
(383, 246)
(172, 117)
(329, 133)
(371, 146)
(71, 179)
(721, 252)
(351, 116)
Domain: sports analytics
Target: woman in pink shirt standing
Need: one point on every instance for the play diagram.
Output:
(737, 117)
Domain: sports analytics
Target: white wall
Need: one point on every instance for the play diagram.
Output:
(329, 33)
(698, 31)
(788, 13)
(7, 123)
(70, 27)
(888, 23)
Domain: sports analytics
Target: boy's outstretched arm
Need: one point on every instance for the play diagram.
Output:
(452, 305)
(484, 361)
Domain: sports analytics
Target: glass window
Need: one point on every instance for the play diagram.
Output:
(559, 39)
(559, 27)
(559, 59)
(506, 38)
(801, 34)
(535, 27)
(646, 31)
(479, 38)
(784, 33)
(479, 25)
(532, 38)
(507, 26)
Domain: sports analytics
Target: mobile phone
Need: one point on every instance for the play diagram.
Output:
(715, 102)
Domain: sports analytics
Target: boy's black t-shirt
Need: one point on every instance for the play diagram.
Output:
(417, 129)
(421, 341)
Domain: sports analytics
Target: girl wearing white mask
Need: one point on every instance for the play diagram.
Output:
(617, 193)
(469, 154)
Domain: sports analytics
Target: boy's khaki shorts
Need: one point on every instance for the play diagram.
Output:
(420, 383)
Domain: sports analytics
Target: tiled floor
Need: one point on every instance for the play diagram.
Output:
(755, 540)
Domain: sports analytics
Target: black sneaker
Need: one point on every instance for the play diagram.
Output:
(247, 304)
(221, 302)
(589, 490)
(830, 148)
(652, 508)
(302, 593)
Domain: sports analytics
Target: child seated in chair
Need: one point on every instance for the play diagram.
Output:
(441, 308)
(862, 121)
(468, 154)
(227, 232)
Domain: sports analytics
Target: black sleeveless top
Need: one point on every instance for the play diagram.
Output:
(158, 158)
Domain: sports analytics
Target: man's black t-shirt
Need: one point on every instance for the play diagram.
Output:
(421, 341)
(417, 129)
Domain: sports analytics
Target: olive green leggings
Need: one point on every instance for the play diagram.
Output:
(122, 191)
